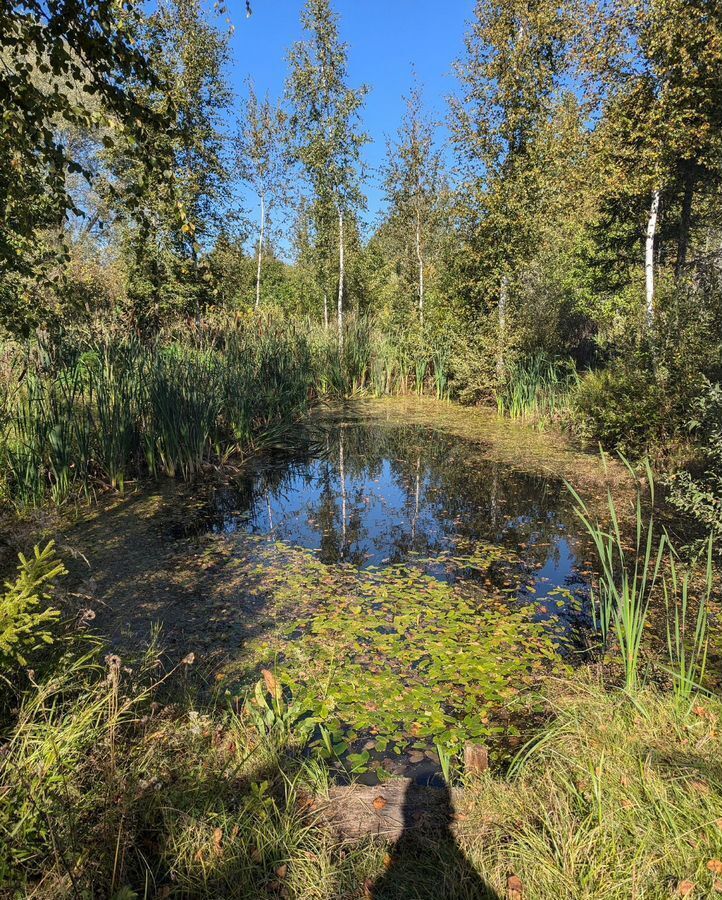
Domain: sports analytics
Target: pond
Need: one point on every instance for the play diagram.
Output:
(406, 579)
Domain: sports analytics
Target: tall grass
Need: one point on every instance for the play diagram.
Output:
(121, 409)
(687, 638)
(537, 387)
(628, 575)
(631, 565)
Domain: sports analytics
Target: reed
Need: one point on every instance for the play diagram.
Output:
(687, 634)
(120, 409)
(537, 387)
(627, 577)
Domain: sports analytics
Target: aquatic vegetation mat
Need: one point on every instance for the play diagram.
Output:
(391, 663)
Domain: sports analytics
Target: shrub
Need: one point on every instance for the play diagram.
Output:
(700, 496)
(621, 408)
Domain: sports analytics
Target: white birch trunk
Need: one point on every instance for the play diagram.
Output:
(260, 252)
(649, 257)
(341, 273)
(342, 476)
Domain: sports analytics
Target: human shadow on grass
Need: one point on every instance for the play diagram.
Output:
(427, 862)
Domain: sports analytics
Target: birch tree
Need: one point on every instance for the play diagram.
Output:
(660, 132)
(326, 136)
(513, 62)
(261, 163)
(411, 177)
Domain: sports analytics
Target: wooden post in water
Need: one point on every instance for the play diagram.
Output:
(476, 759)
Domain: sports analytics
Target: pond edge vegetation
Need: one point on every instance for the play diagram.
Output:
(116, 779)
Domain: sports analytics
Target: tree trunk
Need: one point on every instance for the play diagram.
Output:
(649, 256)
(260, 252)
(503, 298)
(325, 309)
(684, 223)
(420, 259)
(341, 272)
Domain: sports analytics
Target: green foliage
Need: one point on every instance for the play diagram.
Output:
(700, 495)
(68, 70)
(25, 620)
(620, 407)
(391, 659)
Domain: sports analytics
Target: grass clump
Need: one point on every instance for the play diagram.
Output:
(618, 797)
(117, 784)
(537, 387)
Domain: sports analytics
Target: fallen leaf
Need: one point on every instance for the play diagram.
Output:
(715, 865)
(271, 683)
(514, 888)
(685, 888)
(218, 839)
(379, 802)
(717, 885)
(282, 871)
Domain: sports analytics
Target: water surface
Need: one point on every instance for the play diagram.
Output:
(407, 586)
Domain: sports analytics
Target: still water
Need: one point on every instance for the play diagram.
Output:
(409, 588)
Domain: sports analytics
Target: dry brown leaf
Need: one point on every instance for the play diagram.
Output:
(218, 839)
(368, 889)
(282, 871)
(717, 885)
(685, 888)
(379, 802)
(715, 865)
(514, 888)
(271, 684)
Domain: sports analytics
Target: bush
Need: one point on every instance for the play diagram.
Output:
(700, 495)
(620, 408)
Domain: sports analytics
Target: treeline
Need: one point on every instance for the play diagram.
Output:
(566, 217)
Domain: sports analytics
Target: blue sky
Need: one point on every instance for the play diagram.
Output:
(385, 38)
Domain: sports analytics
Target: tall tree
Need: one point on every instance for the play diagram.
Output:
(660, 134)
(66, 67)
(411, 176)
(164, 249)
(261, 163)
(325, 123)
(515, 56)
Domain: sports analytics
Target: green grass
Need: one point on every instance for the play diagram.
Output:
(617, 799)
(537, 387)
(115, 783)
